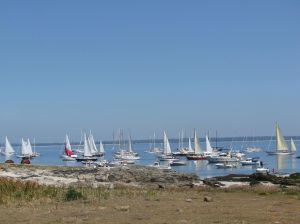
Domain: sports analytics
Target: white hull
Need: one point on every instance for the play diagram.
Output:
(280, 153)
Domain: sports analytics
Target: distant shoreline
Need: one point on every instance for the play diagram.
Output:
(174, 140)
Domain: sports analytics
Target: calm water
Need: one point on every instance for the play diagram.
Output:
(50, 155)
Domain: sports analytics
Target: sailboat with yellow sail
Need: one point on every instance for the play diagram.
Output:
(281, 146)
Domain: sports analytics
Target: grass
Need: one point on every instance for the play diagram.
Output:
(18, 191)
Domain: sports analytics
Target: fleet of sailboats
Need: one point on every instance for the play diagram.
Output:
(126, 154)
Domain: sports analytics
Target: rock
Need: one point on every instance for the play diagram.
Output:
(9, 161)
(122, 208)
(179, 210)
(208, 199)
(25, 161)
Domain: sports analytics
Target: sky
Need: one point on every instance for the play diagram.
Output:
(148, 66)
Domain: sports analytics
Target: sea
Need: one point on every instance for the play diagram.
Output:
(282, 164)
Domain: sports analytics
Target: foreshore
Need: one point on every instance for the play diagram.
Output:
(137, 194)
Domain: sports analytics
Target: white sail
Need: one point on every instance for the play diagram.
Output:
(209, 149)
(29, 148)
(86, 147)
(8, 148)
(190, 145)
(167, 147)
(280, 142)
(198, 149)
(293, 146)
(23, 147)
(92, 145)
(68, 144)
(101, 149)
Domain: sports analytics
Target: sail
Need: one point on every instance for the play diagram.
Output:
(29, 148)
(86, 147)
(91, 141)
(8, 148)
(190, 145)
(293, 146)
(280, 142)
(101, 149)
(24, 147)
(209, 149)
(198, 149)
(68, 149)
(167, 147)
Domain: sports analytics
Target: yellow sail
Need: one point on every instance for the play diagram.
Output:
(280, 142)
(293, 146)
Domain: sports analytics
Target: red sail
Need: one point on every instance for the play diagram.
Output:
(68, 152)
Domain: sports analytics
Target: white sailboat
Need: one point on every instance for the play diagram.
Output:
(87, 153)
(198, 153)
(152, 146)
(129, 154)
(167, 151)
(281, 146)
(8, 149)
(26, 149)
(209, 149)
(93, 146)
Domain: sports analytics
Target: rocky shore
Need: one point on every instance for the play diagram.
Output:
(138, 176)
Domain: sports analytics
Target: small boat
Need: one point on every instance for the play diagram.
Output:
(225, 165)
(161, 167)
(177, 163)
(281, 146)
(250, 162)
(262, 170)
(102, 163)
(8, 149)
(253, 149)
(227, 157)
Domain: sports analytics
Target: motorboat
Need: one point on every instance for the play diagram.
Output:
(161, 167)
(225, 165)
(250, 162)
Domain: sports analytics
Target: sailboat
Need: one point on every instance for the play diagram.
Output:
(93, 146)
(281, 146)
(8, 149)
(198, 154)
(87, 154)
(68, 153)
(167, 151)
(209, 149)
(26, 149)
(152, 146)
(181, 150)
(129, 154)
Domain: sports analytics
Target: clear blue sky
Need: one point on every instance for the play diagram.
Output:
(148, 66)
